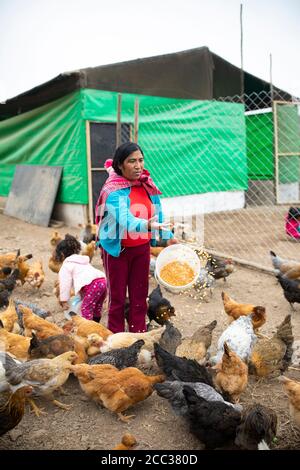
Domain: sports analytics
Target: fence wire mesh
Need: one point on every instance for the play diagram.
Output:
(231, 167)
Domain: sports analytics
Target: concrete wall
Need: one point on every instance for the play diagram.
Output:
(262, 193)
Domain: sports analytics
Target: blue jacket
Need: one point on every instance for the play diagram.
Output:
(118, 218)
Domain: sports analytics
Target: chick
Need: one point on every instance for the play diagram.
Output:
(128, 442)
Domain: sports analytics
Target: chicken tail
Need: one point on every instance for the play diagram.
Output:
(285, 333)
(226, 349)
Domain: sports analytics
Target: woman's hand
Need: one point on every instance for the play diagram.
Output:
(172, 241)
(154, 225)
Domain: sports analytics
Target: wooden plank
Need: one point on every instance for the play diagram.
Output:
(89, 172)
(33, 193)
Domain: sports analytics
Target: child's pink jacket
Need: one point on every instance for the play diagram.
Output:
(76, 271)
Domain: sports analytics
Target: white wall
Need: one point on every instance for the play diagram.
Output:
(202, 203)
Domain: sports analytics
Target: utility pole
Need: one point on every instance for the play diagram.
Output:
(271, 80)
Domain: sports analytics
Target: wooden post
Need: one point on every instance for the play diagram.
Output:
(276, 163)
(242, 58)
(89, 172)
(118, 127)
(136, 120)
(271, 80)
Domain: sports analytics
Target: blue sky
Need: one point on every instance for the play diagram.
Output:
(41, 38)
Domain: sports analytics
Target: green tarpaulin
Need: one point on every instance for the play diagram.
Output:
(190, 146)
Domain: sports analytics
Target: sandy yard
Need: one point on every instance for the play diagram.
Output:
(87, 426)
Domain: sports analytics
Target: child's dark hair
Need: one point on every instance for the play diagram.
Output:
(67, 247)
(294, 213)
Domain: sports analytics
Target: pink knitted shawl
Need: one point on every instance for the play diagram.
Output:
(115, 182)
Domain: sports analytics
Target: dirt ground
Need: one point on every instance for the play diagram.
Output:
(87, 426)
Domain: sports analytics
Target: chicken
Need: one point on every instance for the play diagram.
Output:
(180, 368)
(115, 389)
(258, 427)
(50, 347)
(235, 310)
(10, 282)
(40, 312)
(128, 442)
(4, 296)
(173, 392)
(219, 268)
(213, 422)
(12, 408)
(119, 358)
(44, 375)
(88, 234)
(88, 249)
(23, 267)
(291, 290)
(120, 340)
(8, 260)
(159, 308)
(196, 347)
(204, 281)
(14, 344)
(85, 327)
(240, 337)
(292, 388)
(53, 264)
(9, 318)
(55, 239)
(273, 355)
(281, 266)
(293, 273)
(35, 276)
(232, 374)
(41, 327)
(170, 339)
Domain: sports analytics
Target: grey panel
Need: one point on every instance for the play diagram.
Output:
(33, 192)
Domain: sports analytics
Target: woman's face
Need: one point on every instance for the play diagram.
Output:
(133, 166)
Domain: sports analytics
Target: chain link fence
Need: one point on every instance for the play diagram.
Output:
(229, 171)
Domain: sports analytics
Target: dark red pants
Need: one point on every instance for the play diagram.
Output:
(129, 270)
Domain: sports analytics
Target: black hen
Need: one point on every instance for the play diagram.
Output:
(213, 422)
(121, 357)
(159, 308)
(291, 289)
(4, 295)
(258, 427)
(180, 368)
(10, 282)
(219, 268)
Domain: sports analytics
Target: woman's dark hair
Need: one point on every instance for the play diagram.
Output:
(67, 247)
(294, 212)
(122, 152)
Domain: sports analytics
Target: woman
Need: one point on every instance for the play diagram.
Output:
(128, 212)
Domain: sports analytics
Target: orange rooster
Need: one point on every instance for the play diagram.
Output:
(234, 310)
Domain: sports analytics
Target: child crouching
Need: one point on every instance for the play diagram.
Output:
(77, 272)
